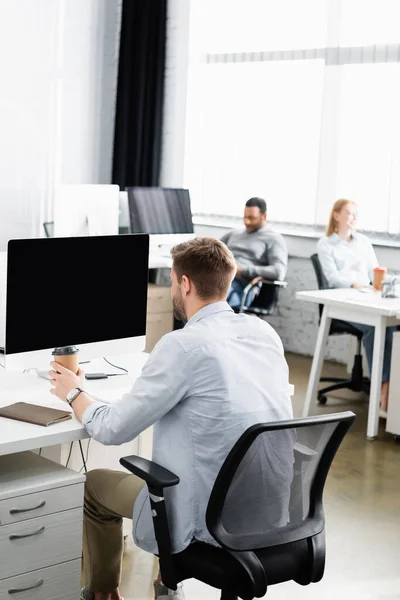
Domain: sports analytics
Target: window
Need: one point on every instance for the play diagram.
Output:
(295, 101)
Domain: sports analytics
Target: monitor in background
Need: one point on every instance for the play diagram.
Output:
(82, 210)
(164, 213)
(74, 291)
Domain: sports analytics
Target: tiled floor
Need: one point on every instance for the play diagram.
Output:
(362, 505)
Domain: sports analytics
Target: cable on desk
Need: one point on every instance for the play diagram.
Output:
(40, 451)
(116, 367)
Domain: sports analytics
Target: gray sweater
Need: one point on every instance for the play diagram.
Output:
(262, 253)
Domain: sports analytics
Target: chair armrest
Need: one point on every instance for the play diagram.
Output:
(157, 478)
(153, 474)
(258, 282)
(276, 283)
(304, 453)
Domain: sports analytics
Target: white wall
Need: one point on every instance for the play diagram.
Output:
(58, 64)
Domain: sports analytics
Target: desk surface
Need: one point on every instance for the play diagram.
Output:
(351, 298)
(16, 436)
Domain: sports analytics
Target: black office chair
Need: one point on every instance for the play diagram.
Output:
(357, 382)
(266, 297)
(265, 509)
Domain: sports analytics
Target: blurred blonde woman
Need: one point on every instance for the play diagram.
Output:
(348, 260)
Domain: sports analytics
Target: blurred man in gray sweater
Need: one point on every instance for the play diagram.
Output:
(258, 250)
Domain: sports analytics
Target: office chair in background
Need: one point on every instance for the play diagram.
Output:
(265, 509)
(266, 297)
(357, 382)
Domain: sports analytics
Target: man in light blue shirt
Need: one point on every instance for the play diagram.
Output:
(202, 387)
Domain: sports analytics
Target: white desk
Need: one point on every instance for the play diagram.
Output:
(352, 305)
(16, 436)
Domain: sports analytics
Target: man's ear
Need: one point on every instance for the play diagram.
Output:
(186, 285)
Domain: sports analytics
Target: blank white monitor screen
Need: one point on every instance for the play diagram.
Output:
(156, 210)
(87, 209)
(75, 291)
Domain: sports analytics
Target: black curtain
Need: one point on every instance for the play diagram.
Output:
(140, 94)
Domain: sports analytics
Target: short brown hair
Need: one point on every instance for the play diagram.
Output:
(337, 207)
(208, 262)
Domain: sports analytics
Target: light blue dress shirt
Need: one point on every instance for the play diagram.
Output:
(202, 386)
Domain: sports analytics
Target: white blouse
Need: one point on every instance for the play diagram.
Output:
(344, 263)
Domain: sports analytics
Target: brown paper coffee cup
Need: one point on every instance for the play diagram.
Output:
(68, 357)
(379, 276)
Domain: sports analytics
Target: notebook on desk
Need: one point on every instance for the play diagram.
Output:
(32, 413)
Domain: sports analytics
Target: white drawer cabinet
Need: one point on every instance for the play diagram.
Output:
(61, 582)
(42, 542)
(40, 504)
(41, 510)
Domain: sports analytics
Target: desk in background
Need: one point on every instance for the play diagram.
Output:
(352, 305)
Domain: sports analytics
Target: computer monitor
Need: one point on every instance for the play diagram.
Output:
(75, 291)
(87, 209)
(164, 213)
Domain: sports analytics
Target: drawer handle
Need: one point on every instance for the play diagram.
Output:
(17, 511)
(26, 535)
(26, 589)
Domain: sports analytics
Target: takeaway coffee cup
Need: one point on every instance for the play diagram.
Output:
(68, 357)
(379, 276)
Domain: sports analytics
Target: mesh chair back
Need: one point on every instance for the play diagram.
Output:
(322, 283)
(269, 490)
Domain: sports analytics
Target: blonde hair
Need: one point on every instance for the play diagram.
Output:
(337, 207)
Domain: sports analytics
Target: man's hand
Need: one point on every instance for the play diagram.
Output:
(63, 380)
(238, 269)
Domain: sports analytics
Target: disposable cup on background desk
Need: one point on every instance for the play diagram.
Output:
(379, 276)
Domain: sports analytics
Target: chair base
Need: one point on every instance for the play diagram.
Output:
(357, 382)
